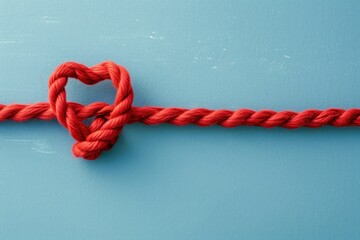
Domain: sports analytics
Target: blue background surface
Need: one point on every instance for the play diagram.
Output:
(168, 182)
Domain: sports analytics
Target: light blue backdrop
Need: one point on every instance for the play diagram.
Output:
(168, 182)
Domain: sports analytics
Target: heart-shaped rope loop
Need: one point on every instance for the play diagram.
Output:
(103, 132)
(109, 120)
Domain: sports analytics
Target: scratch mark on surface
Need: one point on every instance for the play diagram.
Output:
(195, 59)
(47, 19)
(50, 21)
(10, 42)
(5, 41)
(37, 145)
(42, 147)
(154, 37)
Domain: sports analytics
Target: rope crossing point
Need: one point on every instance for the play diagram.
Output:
(109, 120)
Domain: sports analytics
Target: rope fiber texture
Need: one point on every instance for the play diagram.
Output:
(108, 120)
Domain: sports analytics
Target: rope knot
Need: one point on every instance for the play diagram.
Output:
(102, 133)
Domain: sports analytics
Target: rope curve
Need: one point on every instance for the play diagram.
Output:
(109, 120)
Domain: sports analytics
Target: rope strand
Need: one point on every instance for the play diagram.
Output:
(109, 120)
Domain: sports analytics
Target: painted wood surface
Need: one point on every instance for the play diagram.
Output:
(167, 182)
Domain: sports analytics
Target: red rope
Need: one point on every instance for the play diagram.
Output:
(109, 120)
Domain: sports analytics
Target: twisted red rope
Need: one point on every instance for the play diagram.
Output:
(109, 120)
